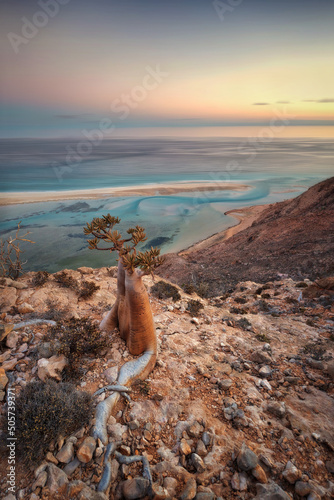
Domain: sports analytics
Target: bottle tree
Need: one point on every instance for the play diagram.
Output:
(131, 312)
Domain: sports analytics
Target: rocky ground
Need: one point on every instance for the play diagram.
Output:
(293, 237)
(240, 404)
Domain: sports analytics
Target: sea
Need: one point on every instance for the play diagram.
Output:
(275, 169)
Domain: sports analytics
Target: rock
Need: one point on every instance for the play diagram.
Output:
(135, 488)
(40, 481)
(225, 384)
(259, 474)
(10, 496)
(276, 408)
(85, 270)
(170, 483)
(25, 308)
(116, 431)
(291, 473)
(260, 357)
(246, 459)
(86, 450)
(72, 466)
(8, 298)
(313, 496)
(190, 490)
(111, 374)
(201, 449)
(10, 365)
(330, 369)
(239, 481)
(302, 488)
(265, 371)
(12, 340)
(197, 462)
(57, 479)
(205, 495)
(66, 453)
(330, 466)
(159, 493)
(51, 458)
(45, 349)
(206, 438)
(3, 379)
(2, 395)
(184, 447)
(195, 429)
(271, 491)
(79, 490)
(51, 367)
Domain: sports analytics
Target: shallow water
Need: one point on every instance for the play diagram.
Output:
(172, 222)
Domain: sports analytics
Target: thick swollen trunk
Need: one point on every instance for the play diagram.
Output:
(139, 332)
(118, 316)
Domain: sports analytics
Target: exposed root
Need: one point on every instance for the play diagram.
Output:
(106, 476)
(122, 459)
(30, 322)
(116, 388)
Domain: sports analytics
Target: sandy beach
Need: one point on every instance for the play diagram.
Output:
(13, 198)
(245, 217)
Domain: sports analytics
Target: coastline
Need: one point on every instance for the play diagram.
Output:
(156, 189)
(245, 217)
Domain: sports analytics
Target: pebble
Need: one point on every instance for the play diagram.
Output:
(265, 371)
(184, 447)
(246, 459)
(302, 488)
(197, 462)
(291, 473)
(225, 384)
(239, 481)
(86, 450)
(190, 490)
(135, 488)
(66, 453)
(270, 491)
(259, 474)
(276, 408)
(3, 379)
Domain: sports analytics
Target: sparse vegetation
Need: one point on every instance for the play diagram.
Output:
(11, 254)
(40, 278)
(84, 289)
(164, 290)
(315, 350)
(262, 337)
(87, 289)
(75, 339)
(194, 307)
(195, 286)
(45, 411)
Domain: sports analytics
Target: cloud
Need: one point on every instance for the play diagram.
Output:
(261, 103)
(321, 101)
(283, 102)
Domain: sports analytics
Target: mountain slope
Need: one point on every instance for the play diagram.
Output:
(293, 237)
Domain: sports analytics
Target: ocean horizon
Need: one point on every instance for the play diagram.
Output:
(274, 170)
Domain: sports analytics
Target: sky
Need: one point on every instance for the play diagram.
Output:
(70, 66)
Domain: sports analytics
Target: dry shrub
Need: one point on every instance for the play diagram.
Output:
(75, 339)
(164, 290)
(45, 411)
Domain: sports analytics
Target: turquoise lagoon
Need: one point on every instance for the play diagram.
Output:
(274, 171)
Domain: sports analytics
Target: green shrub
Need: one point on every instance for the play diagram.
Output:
(164, 290)
(45, 411)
